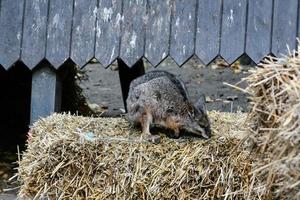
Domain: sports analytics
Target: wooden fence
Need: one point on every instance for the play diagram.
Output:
(56, 30)
(36, 32)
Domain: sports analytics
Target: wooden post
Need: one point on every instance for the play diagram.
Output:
(127, 74)
(45, 92)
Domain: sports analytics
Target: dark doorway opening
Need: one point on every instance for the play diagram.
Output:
(15, 90)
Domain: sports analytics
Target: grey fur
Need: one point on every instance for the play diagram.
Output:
(159, 98)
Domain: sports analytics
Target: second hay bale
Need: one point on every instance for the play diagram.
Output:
(275, 122)
(275, 88)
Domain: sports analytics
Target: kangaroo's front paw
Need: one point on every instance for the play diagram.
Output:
(152, 138)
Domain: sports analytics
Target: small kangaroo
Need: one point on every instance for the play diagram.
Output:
(159, 98)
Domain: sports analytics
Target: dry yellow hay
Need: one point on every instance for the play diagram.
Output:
(275, 122)
(73, 157)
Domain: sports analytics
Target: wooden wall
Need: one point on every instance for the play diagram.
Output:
(56, 30)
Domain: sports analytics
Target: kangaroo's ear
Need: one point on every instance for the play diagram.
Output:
(200, 104)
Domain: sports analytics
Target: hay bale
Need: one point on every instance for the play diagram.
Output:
(73, 157)
(275, 122)
(275, 88)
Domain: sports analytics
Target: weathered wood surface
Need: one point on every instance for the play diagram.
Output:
(158, 30)
(133, 31)
(259, 29)
(183, 26)
(59, 31)
(284, 26)
(208, 30)
(233, 29)
(45, 92)
(299, 21)
(10, 33)
(34, 30)
(83, 31)
(108, 31)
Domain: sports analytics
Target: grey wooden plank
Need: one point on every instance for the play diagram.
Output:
(299, 22)
(83, 31)
(133, 31)
(158, 30)
(183, 30)
(259, 27)
(34, 35)
(59, 31)
(284, 26)
(45, 93)
(233, 29)
(208, 30)
(108, 31)
(11, 16)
